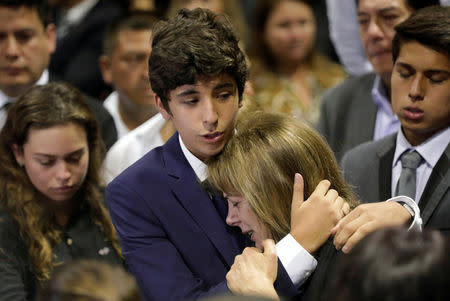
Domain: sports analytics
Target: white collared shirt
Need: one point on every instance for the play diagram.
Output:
(111, 103)
(132, 147)
(430, 150)
(5, 99)
(386, 121)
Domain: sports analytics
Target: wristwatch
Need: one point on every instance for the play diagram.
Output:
(407, 207)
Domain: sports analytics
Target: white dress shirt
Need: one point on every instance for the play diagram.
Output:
(430, 150)
(111, 103)
(132, 147)
(5, 99)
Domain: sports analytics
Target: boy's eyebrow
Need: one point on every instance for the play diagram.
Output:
(404, 65)
(430, 71)
(188, 92)
(218, 87)
(224, 85)
(437, 71)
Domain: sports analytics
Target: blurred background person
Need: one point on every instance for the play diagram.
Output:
(232, 8)
(288, 74)
(124, 64)
(80, 25)
(344, 32)
(159, 7)
(90, 280)
(394, 264)
(51, 200)
(28, 38)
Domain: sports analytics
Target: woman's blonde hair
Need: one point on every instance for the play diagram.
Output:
(43, 107)
(90, 280)
(261, 159)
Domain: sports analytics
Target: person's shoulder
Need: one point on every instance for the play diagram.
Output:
(349, 87)
(95, 105)
(151, 162)
(147, 172)
(370, 148)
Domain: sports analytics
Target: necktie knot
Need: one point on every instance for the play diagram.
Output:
(411, 160)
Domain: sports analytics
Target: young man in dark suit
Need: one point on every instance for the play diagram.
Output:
(174, 236)
(421, 100)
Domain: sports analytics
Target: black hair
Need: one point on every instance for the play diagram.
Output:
(428, 26)
(134, 21)
(41, 6)
(194, 43)
(416, 4)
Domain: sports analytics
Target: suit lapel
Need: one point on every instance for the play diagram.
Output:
(196, 201)
(386, 155)
(436, 187)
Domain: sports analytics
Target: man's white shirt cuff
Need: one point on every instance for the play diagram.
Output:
(297, 262)
(416, 224)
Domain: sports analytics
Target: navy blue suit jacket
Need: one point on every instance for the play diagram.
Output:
(173, 238)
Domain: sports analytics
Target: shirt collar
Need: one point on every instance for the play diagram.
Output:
(4, 99)
(430, 150)
(380, 97)
(197, 165)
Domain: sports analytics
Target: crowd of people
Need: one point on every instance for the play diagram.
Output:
(221, 150)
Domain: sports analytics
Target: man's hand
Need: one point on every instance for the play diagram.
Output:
(254, 272)
(312, 221)
(365, 219)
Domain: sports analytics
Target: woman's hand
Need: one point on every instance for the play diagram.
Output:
(254, 272)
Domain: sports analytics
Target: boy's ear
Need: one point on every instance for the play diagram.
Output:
(18, 154)
(161, 109)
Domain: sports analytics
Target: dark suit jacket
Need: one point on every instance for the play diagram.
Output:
(369, 168)
(106, 122)
(76, 56)
(348, 113)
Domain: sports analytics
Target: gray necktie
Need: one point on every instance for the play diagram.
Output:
(407, 181)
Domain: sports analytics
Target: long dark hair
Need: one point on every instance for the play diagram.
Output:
(40, 108)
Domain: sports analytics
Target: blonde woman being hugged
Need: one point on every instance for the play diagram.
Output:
(256, 172)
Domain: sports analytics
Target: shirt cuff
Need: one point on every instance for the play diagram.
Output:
(417, 222)
(297, 262)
